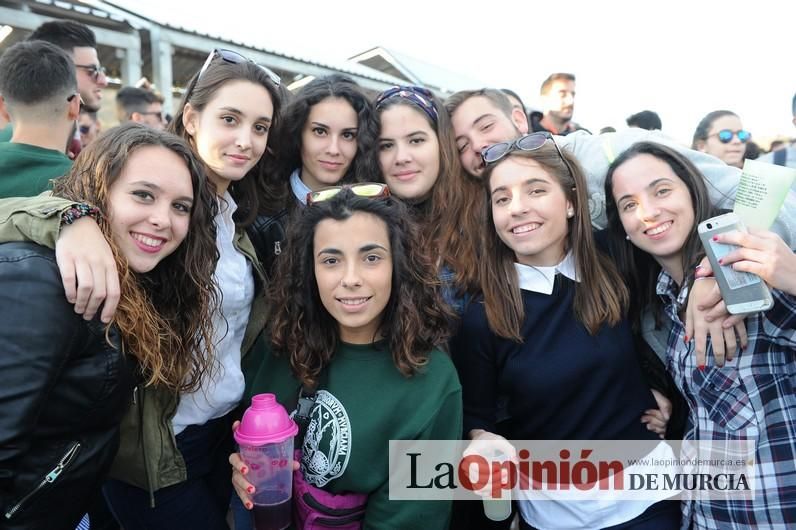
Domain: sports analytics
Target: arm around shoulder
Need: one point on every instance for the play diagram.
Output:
(36, 219)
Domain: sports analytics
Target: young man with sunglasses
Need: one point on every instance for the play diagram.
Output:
(39, 98)
(141, 106)
(78, 41)
(484, 117)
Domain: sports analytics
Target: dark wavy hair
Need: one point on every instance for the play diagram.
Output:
(452, 217)
(251, 192)
(287, 146)
(600, 297)
(164, 315)
(639, 269)
(414, 321)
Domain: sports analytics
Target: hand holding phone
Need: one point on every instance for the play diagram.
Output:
(743, 292)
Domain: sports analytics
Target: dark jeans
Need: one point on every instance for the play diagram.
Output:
(664, 515)
(199, 502)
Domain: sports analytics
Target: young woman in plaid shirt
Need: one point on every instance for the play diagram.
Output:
(655, 199)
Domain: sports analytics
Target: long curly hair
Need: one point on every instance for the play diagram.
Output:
(452, 217)
(287, 145)
(414, 321)
(164, 316)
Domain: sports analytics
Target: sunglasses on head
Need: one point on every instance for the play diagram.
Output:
(231, 57)
(725, 135)
(420, 96)
(530, 142)
(370, 190)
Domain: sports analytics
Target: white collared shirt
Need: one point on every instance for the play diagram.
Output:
(589, 514)
(541, 279)
(221, 393)
(300, 190)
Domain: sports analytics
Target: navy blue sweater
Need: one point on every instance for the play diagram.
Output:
(560, 384)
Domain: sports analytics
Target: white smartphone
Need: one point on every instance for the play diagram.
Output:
(743, 292)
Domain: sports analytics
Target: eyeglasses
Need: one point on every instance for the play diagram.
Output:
(93, 70)
(530, 142)
(370, 190)
(156, 113)
(232, 57)
(725, 135)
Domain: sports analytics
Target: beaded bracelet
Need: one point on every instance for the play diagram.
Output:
(78, 210)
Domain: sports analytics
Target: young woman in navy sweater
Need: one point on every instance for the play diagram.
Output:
(548, 353)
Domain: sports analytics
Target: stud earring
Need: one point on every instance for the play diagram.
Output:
(570, 213)
(627, 237)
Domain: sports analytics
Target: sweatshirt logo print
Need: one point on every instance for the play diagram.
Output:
(327, 444)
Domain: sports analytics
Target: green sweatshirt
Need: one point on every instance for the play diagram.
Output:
(363, 393)
(26, 170)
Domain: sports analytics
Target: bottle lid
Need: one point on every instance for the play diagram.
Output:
(265, 422)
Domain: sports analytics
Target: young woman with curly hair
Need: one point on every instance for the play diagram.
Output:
(356, 315)
(171, 469)
(326, 130)
(68, 381)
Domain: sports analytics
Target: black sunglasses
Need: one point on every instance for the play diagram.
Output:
(93, 70)
(157, 113)
(233, 57)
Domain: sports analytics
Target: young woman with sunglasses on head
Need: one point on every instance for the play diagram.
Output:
(356, 317)
(655, 200)
(327, 126)
(418, 159)
(68, 381)
(722, 135)
(548, 354)
(172, 464)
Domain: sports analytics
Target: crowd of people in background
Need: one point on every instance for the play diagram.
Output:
(427, 269)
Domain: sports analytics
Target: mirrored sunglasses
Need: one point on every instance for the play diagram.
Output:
(370, 190)
(725, 135)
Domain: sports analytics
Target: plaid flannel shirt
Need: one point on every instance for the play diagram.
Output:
(751, 397)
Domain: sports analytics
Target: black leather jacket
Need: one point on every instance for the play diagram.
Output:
(63, 392)
(268, 234)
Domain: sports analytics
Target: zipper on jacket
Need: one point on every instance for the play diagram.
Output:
(277, 247)
(51, 477)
